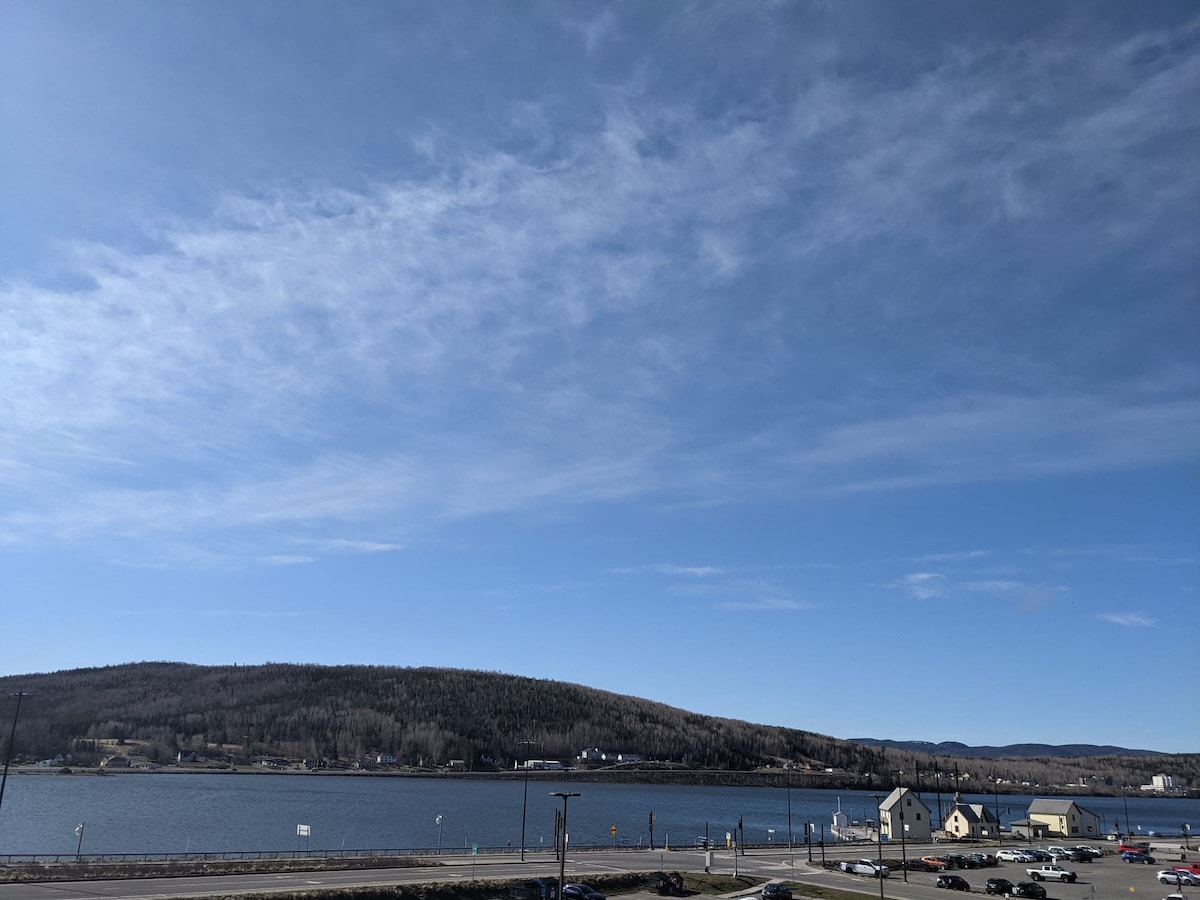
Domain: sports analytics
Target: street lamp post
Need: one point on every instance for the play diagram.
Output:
(525, 797)
(11, 737)
(562, 857)
(1125, 800)
(879, 840)
(438, 821)
(791, 848)
(903, 841)
(1187, 833)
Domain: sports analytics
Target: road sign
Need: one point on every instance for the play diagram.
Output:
(613, 830)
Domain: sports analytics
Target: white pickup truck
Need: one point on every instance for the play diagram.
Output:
(1051, 872)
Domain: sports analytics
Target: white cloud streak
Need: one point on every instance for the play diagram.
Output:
(1127, 620)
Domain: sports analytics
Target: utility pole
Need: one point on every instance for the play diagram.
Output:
(879, 840)
(12, 735)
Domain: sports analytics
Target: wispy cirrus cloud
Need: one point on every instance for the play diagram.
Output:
(959, 556)
(531, 322)
(1128, 620)
(923, 585)
(764, 604)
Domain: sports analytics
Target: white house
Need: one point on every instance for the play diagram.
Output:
(904, 813)
(970, 820)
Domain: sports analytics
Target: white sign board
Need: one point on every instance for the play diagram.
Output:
(303, 830)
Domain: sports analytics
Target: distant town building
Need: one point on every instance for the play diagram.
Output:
(542, 764)
(1161, 784)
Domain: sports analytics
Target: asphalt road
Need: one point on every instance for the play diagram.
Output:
(1105, 879)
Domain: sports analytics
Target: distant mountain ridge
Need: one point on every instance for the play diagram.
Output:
(1009, 751)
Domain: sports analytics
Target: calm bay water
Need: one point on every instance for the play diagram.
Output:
(178, 813)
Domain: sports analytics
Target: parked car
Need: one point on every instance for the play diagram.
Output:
(982, 859)
(1029, 889)
(846, 866)
(776, 890)
(1013, 856)
(871, 867)
(953, 883)
(583, 892)
(1130, 856)
(1094, 851)
(936, 861)
(1077, 855)
(998, 886)
(920, 865)
(1178, 876)
(1039, 855)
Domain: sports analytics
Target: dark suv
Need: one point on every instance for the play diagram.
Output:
(953, 882)
(998, 886)
(1030, 889)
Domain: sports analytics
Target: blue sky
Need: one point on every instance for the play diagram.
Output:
(830, 365)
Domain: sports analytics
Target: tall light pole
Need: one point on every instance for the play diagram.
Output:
(1125, 800)
(996, 792)
(791, 849)
(562, 858)
(11, 737)
(438, 822)
(525, 797)
(879, 840)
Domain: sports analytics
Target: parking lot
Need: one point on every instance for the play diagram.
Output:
(1106, 877)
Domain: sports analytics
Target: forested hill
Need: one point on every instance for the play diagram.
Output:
(420, 715)
(427, 717)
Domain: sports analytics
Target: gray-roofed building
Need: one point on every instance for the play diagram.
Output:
(1065, 818)
(970, 820)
